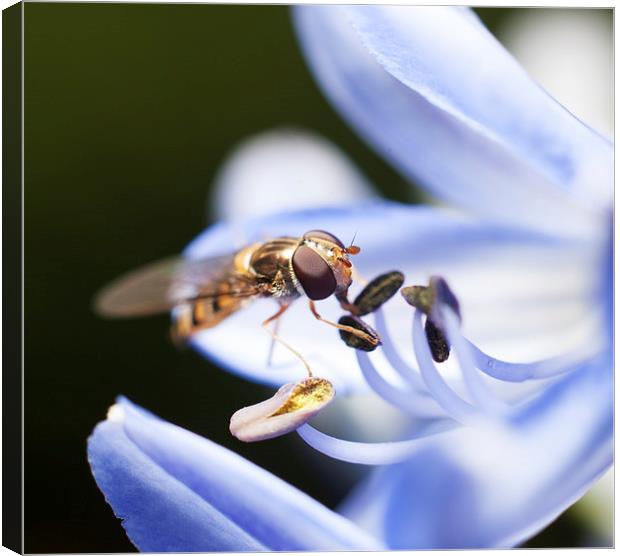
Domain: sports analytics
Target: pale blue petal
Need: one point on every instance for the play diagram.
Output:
(497, 486)
(524, 295)
(158, 511)
(436, 94)
(178, 491)
(285, 169)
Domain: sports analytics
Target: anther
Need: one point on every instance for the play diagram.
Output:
(368, 341)
(440, 349)
(429, 300)
(292, 405)
(377, 292)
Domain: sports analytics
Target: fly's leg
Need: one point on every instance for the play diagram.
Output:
(281, 310)
(276, 325)
(359, 333)
(344, 303)
(276, 338)
(182, 324)
(343, 296)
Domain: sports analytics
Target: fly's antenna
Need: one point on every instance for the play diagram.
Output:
(352, 249)
(353, 240)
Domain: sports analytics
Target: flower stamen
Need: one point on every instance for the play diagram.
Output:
(429, 300)
(290, 407)
(407, 372)
(413, 403)
(373, 453)
(446, 397)
(479, 390)
(536, 370)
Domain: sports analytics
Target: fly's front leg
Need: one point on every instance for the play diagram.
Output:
(356, 332)
(343, 299)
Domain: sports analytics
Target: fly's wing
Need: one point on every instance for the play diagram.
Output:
(159, 286)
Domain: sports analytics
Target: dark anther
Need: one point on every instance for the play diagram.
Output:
(420, 297)
(443, 294)
(377, 292)
(440, 349)
(355, 341)
(429, 300)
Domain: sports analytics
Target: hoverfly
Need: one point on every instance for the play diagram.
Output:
(202, 293)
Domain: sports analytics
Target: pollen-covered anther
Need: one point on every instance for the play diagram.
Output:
(430, 300)
(292, 405)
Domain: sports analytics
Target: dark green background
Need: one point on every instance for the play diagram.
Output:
(129, 110)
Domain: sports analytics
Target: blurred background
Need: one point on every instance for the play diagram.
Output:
(129, 112)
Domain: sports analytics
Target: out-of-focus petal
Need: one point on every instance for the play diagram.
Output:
(497, 486)
(176, 491)
(570, 53)
(438, 96)
(285, 169)
(159, 512)
(523, 295)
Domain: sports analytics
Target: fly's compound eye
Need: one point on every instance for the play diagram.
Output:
(314, 274)
(325, 236)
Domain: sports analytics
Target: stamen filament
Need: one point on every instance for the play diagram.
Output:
(411, 402)
(520, 372)
(369, 453)
(479, 390)
(452, 403)
(408, 373)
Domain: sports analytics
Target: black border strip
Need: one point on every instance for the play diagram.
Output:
(12, 169)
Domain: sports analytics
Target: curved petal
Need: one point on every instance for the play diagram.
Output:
(159, 513)
(496, 486)
(523, 295)
(545, 40)
(176, 491)
(438, 96)
(285, 169)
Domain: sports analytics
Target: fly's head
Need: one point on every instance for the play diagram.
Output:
(321, 264)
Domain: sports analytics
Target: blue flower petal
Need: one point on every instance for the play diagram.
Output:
(438, 96)
(159, 512)
(524, 295)
(497, 486)
(285, 169)
(179, 492)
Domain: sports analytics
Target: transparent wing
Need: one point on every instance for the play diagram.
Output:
(159, 286)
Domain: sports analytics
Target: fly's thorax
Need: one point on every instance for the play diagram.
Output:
(243, 259)
(315, 265)
(270, 263)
